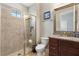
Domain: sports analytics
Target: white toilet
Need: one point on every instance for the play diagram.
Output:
(41, 47)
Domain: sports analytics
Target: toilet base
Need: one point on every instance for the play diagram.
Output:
(39, 53)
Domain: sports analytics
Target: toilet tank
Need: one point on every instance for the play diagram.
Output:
(44, 40)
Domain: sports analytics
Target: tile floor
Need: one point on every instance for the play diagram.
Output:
(29, 53)
(45, 53)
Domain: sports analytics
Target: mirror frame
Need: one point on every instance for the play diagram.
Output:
(66, 33)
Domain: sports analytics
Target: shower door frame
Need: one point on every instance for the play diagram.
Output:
(26, 43)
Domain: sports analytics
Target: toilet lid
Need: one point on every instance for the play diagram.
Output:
(40, 46)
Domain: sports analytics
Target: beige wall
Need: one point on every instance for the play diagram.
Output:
(57, 5)
(0, 29)
(46, 25)
(38, 23)
(12, 29)
(33, 10)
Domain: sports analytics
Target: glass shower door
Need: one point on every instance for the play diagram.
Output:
(30, 25)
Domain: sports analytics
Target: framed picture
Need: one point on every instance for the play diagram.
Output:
(46, 15)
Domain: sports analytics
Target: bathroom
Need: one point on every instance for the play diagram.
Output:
(30, 29)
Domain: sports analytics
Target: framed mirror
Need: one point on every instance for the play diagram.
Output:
(65, 20)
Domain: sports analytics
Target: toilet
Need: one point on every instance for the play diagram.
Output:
(41, 47)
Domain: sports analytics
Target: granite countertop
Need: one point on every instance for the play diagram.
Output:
(65, 38)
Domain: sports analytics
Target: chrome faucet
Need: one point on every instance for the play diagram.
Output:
(64, 34)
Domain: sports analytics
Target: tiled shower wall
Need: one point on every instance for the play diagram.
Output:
(12, 29)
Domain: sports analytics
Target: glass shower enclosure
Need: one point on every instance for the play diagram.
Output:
(30, 25)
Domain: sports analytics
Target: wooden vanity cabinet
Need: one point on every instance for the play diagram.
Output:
(69, 48)
(60, 47)
(53, 46)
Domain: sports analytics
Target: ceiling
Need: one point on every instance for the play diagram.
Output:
(27, 4)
